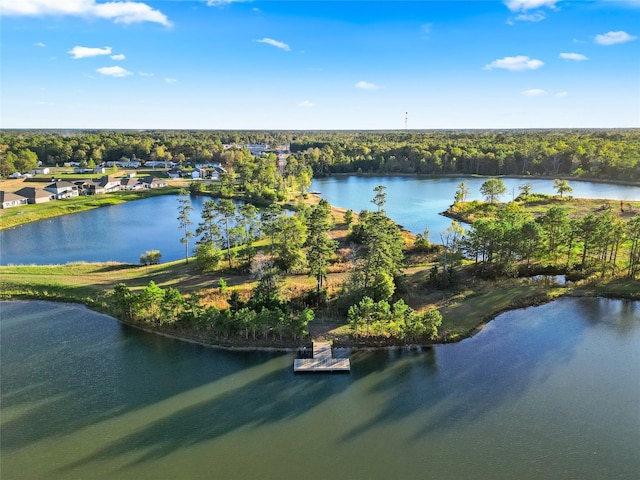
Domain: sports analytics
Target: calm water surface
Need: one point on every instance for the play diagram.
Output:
(545, 392)
(417, 202)
(120, 233)
(123, 232)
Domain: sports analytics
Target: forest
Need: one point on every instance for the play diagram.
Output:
(596, 154)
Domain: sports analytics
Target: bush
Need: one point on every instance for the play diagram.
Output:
(151, 257)
(208, 256)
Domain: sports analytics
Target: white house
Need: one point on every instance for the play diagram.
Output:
(63, 189)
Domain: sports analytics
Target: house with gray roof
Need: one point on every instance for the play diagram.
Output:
(63, 189)
(36, 195)
(131, 183)
(153, 182)
(8, 199)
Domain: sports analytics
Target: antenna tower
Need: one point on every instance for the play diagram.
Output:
(406, 120)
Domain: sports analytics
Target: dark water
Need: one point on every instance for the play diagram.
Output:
(417, 202)
(123, 232)
(549, 392)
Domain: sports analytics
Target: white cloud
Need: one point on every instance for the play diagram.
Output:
(562, 94)
(578, 57)
(611, 38)
(170, 80)
(84, 52)
(524, 5)
(515, 64)
(426, 28)
(534, 92)
(222, 3)
(145, 74)
(306, 104)
(531, 17)
(114, 71)
(118, 11)
(275, 43)
(366, 85)
(39, 44)
(119, 56)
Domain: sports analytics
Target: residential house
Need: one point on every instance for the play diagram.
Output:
(9, 199)
(107, 184)
(36, 195)
(131, 183)
(175, 173)
(153, 182)
(84, 186)
(198, 173)
(63, 189)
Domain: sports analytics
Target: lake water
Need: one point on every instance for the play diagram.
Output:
(123, 232)
(120, 233)
(548, 392)
(415, 202)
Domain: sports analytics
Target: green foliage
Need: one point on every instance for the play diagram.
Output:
(562, 187)
(184, 221)
(380, 256)
(493, 189)
(380, 319)
(461, 193)
(320, 246)
(196, 187)
(151, 257)
(208, 257)
(264, 316)
(348, 218)
(290, 238)
(579, 153)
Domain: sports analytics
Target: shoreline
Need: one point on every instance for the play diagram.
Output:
(4, 213)
(477, 175)
(583, 292)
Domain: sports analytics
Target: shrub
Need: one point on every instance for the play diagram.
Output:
(151, 257)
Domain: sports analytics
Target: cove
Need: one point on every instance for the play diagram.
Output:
(123, 232)
(414, 202)
(544, 392)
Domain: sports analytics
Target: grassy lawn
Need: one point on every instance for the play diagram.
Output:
(538, 205)
(13, 217)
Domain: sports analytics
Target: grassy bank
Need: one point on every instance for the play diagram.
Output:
(464, 311)
(13, 217)
(538, 205)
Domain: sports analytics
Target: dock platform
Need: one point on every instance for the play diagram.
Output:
(322, 361)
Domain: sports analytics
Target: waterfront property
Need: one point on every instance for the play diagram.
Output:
(35, 195)
(8, 200)
(322, 361)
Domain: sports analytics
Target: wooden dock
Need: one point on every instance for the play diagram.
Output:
(322, 361)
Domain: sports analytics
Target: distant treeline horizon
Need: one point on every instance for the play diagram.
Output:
(608, 154)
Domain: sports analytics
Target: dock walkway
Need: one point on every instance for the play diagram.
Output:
(322, 361)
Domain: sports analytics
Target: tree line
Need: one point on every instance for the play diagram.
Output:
(606, 154)
(507, 236)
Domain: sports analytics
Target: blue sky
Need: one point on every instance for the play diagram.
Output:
(181, 64)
